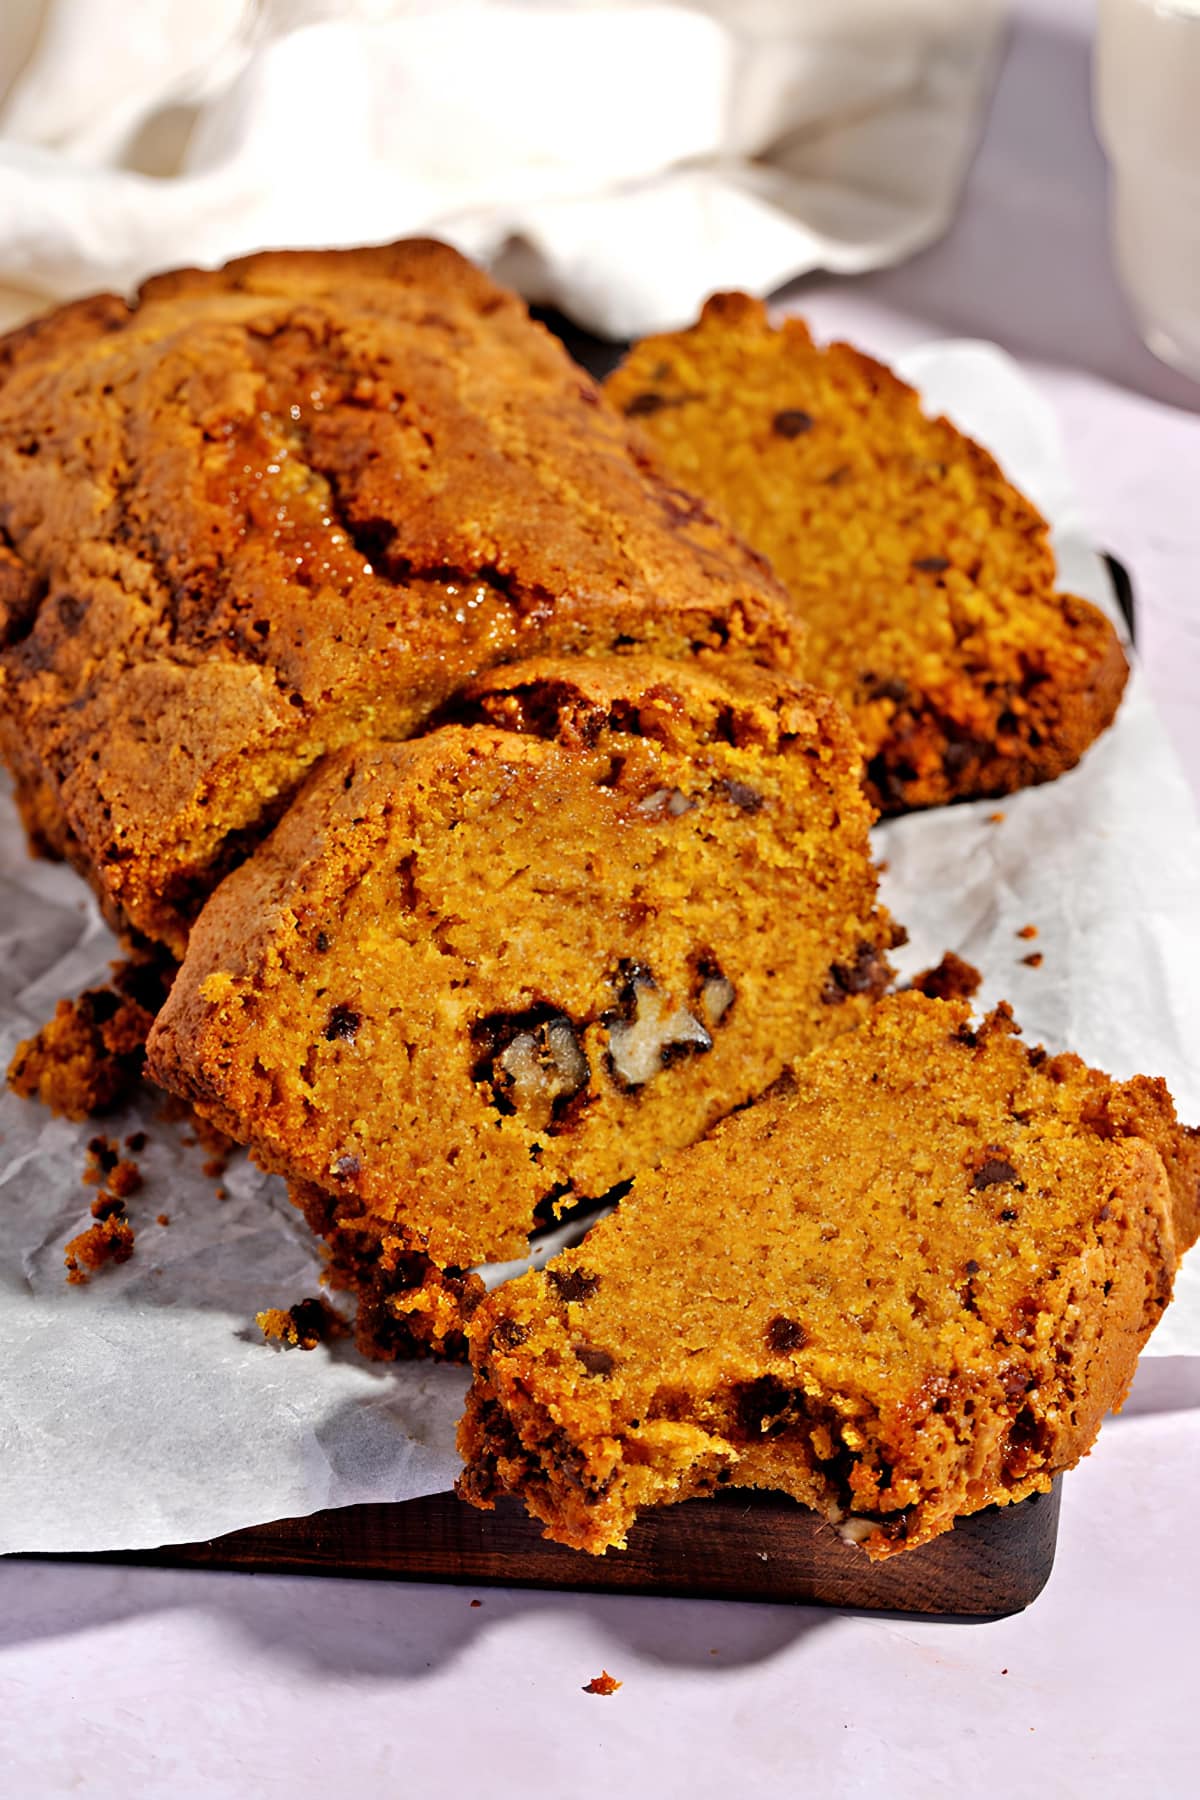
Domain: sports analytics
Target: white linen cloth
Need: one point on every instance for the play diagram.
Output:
(619, 158)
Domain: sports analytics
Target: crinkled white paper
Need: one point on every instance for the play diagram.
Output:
(145, 1408)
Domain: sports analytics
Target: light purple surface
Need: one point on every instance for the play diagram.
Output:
(130, 1682)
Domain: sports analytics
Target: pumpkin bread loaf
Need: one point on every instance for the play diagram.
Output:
(295, 502)
(925, 580)
(501, 967)
(907, 1285)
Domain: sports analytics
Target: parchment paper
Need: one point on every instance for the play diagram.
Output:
(145, 1408)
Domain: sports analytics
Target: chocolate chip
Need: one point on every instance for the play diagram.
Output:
(71, 612)
(993, 1173)
(867, 974)
(1008, 1215)
(791, 423)
(509, 1334)
(931, 565)
(573, 1284)
(347, 1167)
(746, 798)
(883, 687)
(595, 1360)
(957, 757)
(643, 405)
(785, 1335)
(343, 1023)
(1015, 1382)
(322, 943)
(972, 1266)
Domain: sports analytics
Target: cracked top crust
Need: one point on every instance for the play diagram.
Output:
(266, 510)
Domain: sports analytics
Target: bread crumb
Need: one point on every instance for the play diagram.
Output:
(162, 1219)
(89, 1056)
(603, 1683)
(102, 1157)
(994, 818)
(1034, 960)
(952, 979)
(125, 1179)
(107, 1206)
(302, 1326)
(109, 1240)
(1028, 931)
(477, 1603)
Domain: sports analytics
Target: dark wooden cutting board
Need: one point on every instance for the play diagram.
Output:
(736, 1546)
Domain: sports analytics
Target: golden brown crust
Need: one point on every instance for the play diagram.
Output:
(512, 961)
(272, 508)
(925, 579)
(907, 1286)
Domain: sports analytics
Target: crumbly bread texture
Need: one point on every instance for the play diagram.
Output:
(926, 581)
(88, 1058)
(501, 967)
(272, 509)
(907, 1285)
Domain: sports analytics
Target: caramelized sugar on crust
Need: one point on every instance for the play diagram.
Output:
(509, 963)
(296, 502)
(906, 1286)
(925, 580)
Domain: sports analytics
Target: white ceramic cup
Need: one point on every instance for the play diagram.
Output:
(1147, 111)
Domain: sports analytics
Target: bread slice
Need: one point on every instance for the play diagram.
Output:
(281, 506)
(925, 579)
(504, 966)
(906, 1286)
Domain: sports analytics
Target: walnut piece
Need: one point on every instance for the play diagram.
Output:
(652, 1035)
(665, 800)
(716, 997)
(542, 1066)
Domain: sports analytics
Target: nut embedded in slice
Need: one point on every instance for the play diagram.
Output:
(907, 1285)
(925, 580)
(475, 975)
